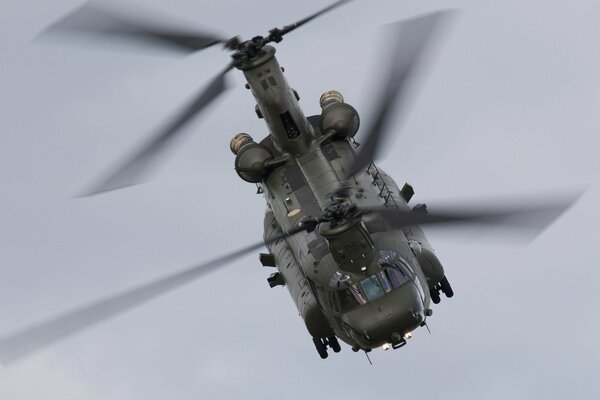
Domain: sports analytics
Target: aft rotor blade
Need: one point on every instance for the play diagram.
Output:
(93, 21)
(535, 218)
(135, 168)
(412, 38)
(288, 28)
(24, 342)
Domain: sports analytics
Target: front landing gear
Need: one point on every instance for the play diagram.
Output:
(321, 345)
(444, 287)
(334, 344)
(435, 294)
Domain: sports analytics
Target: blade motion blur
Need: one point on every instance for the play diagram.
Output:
(342, 236)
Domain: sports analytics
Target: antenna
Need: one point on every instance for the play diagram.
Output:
(368, 358)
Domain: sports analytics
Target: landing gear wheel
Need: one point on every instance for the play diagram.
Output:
(321, 347)
(446, 288)
(334, 344)
(435, 295)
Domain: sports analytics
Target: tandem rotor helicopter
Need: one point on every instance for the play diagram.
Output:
(339, 231)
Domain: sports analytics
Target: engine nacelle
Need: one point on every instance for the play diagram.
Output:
(250, 158)
(338, 116)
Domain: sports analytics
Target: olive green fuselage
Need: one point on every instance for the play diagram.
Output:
(360, 280)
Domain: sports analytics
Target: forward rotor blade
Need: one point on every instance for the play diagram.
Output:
(134, 169)
(288, 28)
(24, 342)
(92, 21)
(412, 37)
(533, 218)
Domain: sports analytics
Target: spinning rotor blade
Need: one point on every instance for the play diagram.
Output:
(26, 341)
(93, 21)
(134, 169)
(277, 33)
(534, 218)
(413, 36)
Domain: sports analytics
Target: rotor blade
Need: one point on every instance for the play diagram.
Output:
(412, 37)
(288, 28)
(134, 169)
(535, 218)
(92, 21)
(26, 341)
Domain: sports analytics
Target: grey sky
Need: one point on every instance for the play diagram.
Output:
(509, 108)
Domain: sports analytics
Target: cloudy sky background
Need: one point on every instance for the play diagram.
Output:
(509, 109)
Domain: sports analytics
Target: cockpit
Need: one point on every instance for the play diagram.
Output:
(394, 273)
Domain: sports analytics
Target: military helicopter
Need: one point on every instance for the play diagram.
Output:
(338, 229)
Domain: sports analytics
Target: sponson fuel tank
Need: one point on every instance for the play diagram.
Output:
(251, 158)
(295, 280)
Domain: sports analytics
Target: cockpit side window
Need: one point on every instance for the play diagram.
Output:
(395, 269)
(357, 294)
(397, 277)
(348, 299)
(385, 282)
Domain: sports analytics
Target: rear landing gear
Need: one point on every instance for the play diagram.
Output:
(435, 294)
(334, 344)
(444, 287)
(322, 344)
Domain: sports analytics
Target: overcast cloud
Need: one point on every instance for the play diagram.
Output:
(508, 109)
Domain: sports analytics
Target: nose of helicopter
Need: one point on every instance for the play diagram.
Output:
(396, 313)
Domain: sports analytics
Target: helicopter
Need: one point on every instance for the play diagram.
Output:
(338, 229)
